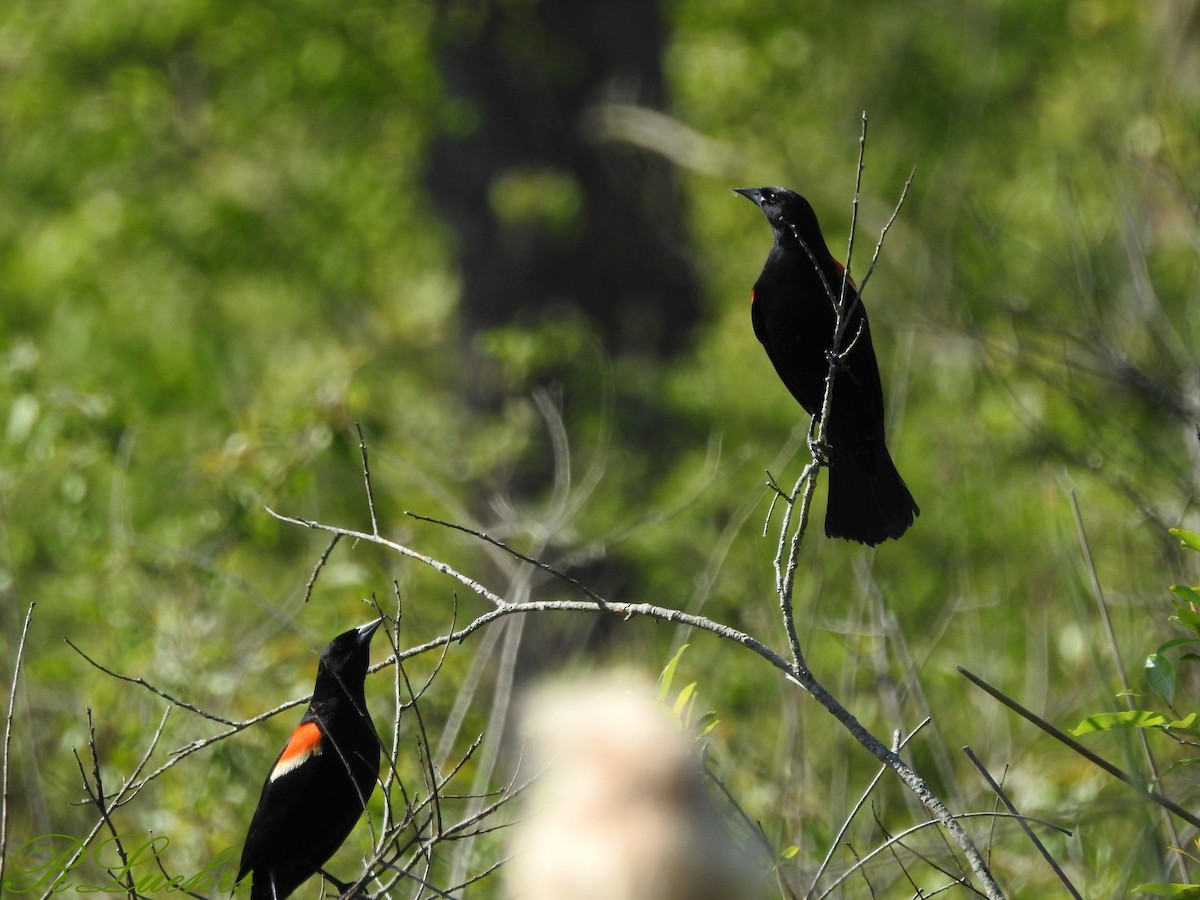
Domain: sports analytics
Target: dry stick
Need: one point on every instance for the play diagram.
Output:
(912, 829)
(1083, 751)
(131, 787)
(1115, 651)
(98, 800)
(400, 549)
(753, 827)
(362, 449)
(801, 674)
(887, 226)
(798, 674)
(483, 536)
(8, 720)
(316, 572)
(564, 503)
(897, 745)
(1062, 876)
(785, 577)
(959, 880)
(392, 775)
(454, 832)
(862, 164)
(437, 667)
(148, 686)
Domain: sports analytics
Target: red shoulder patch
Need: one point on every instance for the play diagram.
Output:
(752, 297)
(842, 271)
(305, 743)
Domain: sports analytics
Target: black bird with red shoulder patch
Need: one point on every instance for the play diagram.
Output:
(321, 780)
(794, 318)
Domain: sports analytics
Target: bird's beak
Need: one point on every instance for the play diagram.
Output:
(365, 631)
(754, 195)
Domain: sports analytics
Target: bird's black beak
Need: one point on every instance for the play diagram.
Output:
(754, 195)
(365, 631)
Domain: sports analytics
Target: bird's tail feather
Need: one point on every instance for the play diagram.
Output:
(868, 500)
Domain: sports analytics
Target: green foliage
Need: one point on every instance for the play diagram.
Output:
(1187, 891)
(1162, 679)
(683, 706)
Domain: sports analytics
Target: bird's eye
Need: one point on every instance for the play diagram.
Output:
(769, 196)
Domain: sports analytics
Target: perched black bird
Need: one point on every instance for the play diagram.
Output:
(321, 780)
(794, 318)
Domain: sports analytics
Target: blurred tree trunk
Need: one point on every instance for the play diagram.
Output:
(545, 217)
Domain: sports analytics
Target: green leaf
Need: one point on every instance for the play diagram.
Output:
(1177, 642)
(790, 852)
(1178, 764)
(1187, 616)
(1118, 720)
(707, 723)
(1188, 594)
(668, 674)
(1188, 539)
(1187, 723)
(1160, 676)
(683, 703)
(1163, 889)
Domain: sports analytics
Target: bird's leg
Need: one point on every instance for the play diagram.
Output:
(837, 360)
(343, 886)
(818, 448)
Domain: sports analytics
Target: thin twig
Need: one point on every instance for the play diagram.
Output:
(1115, 655)
(1083, 751)
(862, 157)
(912, 829)
(897, 745)
(537, 563)
(1041, 848)
(148, 686)
(434, 564)
(321, 560)
(8, 721)
(127, 792)
(362, 449)
(785, 585)
(98, 800)
(887, 226)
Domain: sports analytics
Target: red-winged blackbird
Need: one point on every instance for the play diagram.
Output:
(321, 780)
(794, 318)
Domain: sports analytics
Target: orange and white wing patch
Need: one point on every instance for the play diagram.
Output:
(305, 743)
(842, 271)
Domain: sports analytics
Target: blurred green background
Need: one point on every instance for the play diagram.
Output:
(499, 235)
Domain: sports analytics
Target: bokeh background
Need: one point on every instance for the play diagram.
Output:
(498, 234)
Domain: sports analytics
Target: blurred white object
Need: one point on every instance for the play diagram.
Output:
(622, 810)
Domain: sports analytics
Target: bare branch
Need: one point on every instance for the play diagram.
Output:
(1041, 848)
(321, 560)
(563, 576)
(887, 226)
(897, 745)
(912, 830)
(148, 686)
(362, 449)
(8, 721)
(862, 154)
(437, 566)
(96, 795)
(1094, 759)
